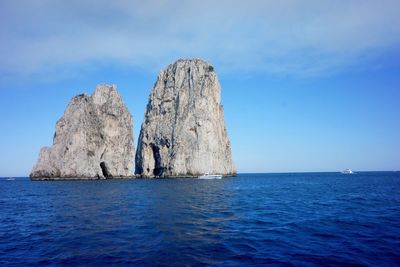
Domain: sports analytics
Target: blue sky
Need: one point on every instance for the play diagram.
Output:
(306, 85)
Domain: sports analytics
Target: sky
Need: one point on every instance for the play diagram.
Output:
(306, 85)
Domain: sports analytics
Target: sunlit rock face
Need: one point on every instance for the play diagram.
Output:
(94, 139)
(183, 132)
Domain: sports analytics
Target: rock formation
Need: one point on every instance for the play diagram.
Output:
(183, 132)
(94, 139)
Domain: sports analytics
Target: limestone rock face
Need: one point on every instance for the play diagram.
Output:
(94, 139)
(183, 132)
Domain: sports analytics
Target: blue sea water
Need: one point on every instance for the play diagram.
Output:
(301, 219)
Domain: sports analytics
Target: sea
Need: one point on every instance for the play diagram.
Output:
(286, 219)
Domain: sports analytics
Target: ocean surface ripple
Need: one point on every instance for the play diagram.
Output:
(302, 219)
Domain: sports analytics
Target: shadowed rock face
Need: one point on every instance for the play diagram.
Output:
(94, 139)
(183, 133)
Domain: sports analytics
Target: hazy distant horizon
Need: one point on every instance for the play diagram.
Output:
(306, 85)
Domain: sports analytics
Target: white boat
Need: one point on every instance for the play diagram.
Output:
(347, 171)
(210, 176)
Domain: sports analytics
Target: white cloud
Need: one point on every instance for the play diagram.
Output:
(289, 37)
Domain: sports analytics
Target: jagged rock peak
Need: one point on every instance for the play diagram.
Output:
(94, 139)
(183, 132)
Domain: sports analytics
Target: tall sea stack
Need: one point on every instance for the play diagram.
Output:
(94, 139)
(183, 132)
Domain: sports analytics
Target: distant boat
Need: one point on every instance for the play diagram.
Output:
(347, 171)
(10, 178)
(210, 176)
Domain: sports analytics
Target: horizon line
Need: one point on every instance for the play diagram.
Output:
(278, 172)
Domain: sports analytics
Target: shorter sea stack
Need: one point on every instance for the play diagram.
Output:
(93, 140)
(183, 132)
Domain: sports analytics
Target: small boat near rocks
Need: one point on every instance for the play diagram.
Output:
(210, 176)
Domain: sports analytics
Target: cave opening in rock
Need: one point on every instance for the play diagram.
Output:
(104, 170)
(158, 169)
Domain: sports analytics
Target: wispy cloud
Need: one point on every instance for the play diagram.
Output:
(289, 37)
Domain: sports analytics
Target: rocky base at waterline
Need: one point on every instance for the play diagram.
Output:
(93, 140)
(65, 178)
(183, 133)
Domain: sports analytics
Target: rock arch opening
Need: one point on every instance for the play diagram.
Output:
(104, 170)
(158, 169)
